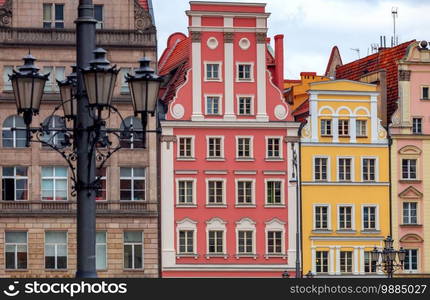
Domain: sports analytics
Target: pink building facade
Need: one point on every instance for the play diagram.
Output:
(228, 197)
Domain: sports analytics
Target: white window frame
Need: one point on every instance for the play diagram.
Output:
(186, 225)
(352, 217)
(100, 24)
(207, 148)
(133, 250)
(358, 129)
(343, 128)
(418, 260)
(328, 261)
(56, 250)
(105, 244)
(251, 146)
(352, 171)
(328, 168)
(315, 205)
(325, 128)
(178, 152)
(224, 187)
(7, 84)
(252, 180)
(219, 63)
(413, 125)
(194, 181)
(282, 181)
(418, 210)
(16, 177)
(132, 178)
(14, 138)
(352, 261)
(51, 85)
(422, 92)
(220, 104)
(279, 226)
(16, 249)
(281, 149)
(251, 72)
(246, 224)
(54, 178)
(216, 224)
(376, 206)
(362, 158)
(238, 97)
(53, 20)
(416, 166)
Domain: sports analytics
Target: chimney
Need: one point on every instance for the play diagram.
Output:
(279, 61)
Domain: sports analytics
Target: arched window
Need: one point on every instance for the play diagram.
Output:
(54, 138)
(14, 138)
(134, 140)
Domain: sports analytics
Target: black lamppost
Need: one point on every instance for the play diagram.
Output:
(86, 97)
(296, 177)
(388, 259)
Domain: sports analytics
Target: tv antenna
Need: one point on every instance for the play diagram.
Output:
(356, 50)
(395, 39)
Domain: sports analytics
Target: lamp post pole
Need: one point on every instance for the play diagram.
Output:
(86, 162)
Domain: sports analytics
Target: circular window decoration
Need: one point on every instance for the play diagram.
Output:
(280, 112)
(244, 43)
(212, 43)
(178, 111)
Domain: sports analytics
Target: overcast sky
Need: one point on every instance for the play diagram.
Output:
(313, 27)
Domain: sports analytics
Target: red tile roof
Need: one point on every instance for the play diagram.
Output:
(178, 54)
(302, 112)
(386, 59)
(143, 3)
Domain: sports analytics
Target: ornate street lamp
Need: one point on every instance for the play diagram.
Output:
(388, 259)
(68, 95)
(285, 274)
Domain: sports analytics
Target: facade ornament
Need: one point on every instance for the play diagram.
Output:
(404, 75)
(6, 14)
(261, 37)
(168, 139)
(228, 37)
(196, 36)
(142, 17)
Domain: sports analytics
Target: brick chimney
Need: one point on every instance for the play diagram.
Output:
(279, 61)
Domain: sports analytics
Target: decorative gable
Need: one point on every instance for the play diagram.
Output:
(411, 193)
(410, 150)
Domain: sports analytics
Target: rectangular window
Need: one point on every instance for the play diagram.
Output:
(56, 250)
(369, 264)
(212, 72)
(344, 169)
(98, 15)
(244, 148)
(101, 191)
(133, 250)
(16, 250)
(274, 242)
(15, 183)
(273, 192)
(124, 89)
(326, 127)
(214, 148)
(244, 72)
(417, 127)
(101, 250)
(245, 106)
(361, 128)
(133, 184)
(411, 260)
(185, 192)
(320, 171)
(343, 127)
(369, 218)
(185, 147)
(321, 217)
(321, 261)
(346, 261)
(345, 217)
(215, 192)
(55, 73)
(7, 84)
(186, 241)
(213, 105)
(245, 242)
(54, 183)
(410, 213)
(425, 92)
(216, 242)
(409, 169)
(53, 15)
(273, 148)
(369, 169)
(245, 192)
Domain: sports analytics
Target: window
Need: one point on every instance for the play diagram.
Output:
(54, 183)
(417, 126)
(53, 15)
(15, 183)
(274, 242)
(244, 72)
(321, 261)
(186, 242)
(369, 264)
(246, 242)
(14, 138)
(212, 71)
(425, 93)
(369, 217)
(343, 127)
(213, 105)
(101, 191)
(410, 213)
(361, 128)
(7, 84)
(215, 147)
(216, 242)
(98, 15)
(411, 260)
(326, 127)
(245, 106)
(245, 194)
(409, 169)
(101, 250)
(16, 250)
(321, 217)
(185, 191)
(274, 148)
(55, 73)
(368, 169)
(57, 137)
(244, 147)
(346, 261)
(345, 217)
(132, 184)
(124, 88)
(274, 192)
(56, 250)
(133, 250)
(320, 169)
(344, 169)
(186, 147)
(133, 140)
(215, 192)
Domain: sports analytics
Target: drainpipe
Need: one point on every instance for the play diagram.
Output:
(390, 143)
(299, 198)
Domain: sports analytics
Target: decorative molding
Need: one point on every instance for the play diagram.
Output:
(6, 14)
(261, 37)
(411, 238)
(178, 111)
(212, 43)
(404, 75)
(280, 112)
(196, 36)
(244, 43)
(168, 139)
(228, 37)
(142, 17)
(410, 150)
(411, 193)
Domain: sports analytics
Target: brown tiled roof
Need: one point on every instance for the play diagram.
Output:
(386, 59)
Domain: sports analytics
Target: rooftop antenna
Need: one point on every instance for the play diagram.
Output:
(395, 40)
(356, 50)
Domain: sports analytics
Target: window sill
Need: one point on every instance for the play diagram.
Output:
(274, 159)
(238, 205)
(326, 135)
(281, 255)
(346, 231)
(216, 205)
(215, 159)
(133, 270)
(186, 205)
(214, 255)
(245, 159)
(17, 270)
(213, 80)
(344, 136)
(192, 255)
(411, 225)
(370, 231)
(322, 231)
(245, 80)
(185, 159)
(274, 206)
(361, 136)
(252, 255)
(57, 270)
(410, 181)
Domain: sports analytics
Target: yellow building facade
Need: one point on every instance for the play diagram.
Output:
(345, 200)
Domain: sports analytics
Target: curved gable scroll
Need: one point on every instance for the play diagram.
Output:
(410, 150)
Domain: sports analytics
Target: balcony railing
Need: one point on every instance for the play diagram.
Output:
(49, 208)
(10, 36)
